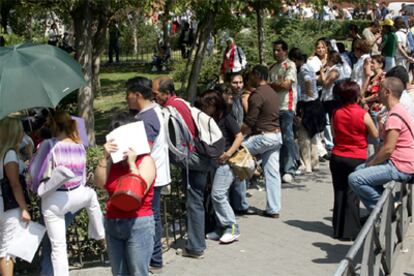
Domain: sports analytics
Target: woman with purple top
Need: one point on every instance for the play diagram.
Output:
(65, 150)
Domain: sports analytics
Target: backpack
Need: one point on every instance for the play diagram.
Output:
(179, 138)
(209, 141)
(410, 41)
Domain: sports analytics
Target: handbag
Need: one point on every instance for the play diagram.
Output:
(129, 192)
(242, 163)
(9, 202)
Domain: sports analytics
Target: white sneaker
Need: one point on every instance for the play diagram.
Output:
(230, 235)
(154, 69)
(287, 178)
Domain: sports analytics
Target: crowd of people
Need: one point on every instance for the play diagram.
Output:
(354, 108)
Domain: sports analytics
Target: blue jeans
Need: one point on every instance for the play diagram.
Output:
(288, 153)
(156, 259)
(195, 210)
(268, 145)
(223, 179)
(46, 267)
(367, 182)
(130, 244)
(237, 195)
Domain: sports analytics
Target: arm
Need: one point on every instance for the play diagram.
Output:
(104, 165)
(285, 82)
(281, 85)
(386, 150)
(329, 79)
(404, 53)
(371, 128)
(11, 170)
(234, 147)
(146, 168)
(255, 103)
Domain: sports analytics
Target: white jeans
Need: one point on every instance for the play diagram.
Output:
(8, 223)
(54, 208)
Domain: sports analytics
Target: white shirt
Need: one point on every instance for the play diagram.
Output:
(358, 74)
(11, 156)
(407, 101)
(160, 153)
(402, 40)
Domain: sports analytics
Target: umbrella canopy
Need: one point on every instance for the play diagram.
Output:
(36, 76)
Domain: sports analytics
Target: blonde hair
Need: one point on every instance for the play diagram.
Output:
(62, 122)
(11, 134)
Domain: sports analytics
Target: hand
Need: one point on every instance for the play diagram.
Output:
(131, 156)
(411, 60)
(110, 147)
(224, 158)
(25, 216)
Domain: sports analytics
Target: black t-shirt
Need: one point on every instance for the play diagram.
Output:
(230, 128)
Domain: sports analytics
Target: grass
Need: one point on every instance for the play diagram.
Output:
(111, 99)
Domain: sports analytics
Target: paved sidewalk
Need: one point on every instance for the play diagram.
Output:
(298, 243)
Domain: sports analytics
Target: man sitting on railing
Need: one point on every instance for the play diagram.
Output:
(395, 159)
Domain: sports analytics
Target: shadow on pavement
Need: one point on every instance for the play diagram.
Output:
(311, 226)
(334, 252)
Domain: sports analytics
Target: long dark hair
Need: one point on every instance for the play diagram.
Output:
(212, 98)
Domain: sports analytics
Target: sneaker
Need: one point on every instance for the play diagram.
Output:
(287, 178)
(190, 253)
(154, 69)
(230, 235)
(155, 269)
(213, 236)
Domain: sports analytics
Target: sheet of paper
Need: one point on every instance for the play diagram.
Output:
(27, 240)
(131, 135)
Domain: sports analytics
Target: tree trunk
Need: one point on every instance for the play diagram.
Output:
(83, 45)
(29, 27)
(260, 32)
(98, 48)
(205, 31)
(189, 58)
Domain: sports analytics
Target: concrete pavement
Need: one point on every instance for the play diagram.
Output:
(298, 243)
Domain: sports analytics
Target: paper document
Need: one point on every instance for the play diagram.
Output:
(26, 240)
(131, 135)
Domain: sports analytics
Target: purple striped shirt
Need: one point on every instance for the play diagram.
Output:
(73, 157)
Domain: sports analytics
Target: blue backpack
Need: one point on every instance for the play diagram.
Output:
(410, 41)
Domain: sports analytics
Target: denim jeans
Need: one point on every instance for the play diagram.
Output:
(130, 244)
(367, 182)
(268, 145)
(237, 194)
(288, 153)
(156, 259)
(195, 210)
(223, 179)
(46, 267)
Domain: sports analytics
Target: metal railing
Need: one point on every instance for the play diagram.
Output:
(381, 239)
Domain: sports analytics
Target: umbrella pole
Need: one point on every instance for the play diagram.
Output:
(30, 124)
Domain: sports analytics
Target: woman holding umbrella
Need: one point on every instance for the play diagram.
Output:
(65, 150)
(11, 167)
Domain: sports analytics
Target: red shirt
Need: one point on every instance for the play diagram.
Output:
(350, 132)
(182, 108)
(117, 170)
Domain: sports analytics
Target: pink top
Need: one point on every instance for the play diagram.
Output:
(403, 155)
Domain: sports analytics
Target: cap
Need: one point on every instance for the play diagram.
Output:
(387, 22)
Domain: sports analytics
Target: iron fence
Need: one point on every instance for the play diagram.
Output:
(381, 239)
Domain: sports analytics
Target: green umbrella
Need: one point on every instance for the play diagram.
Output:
(36, 76)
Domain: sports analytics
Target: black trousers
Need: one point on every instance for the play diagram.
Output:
(345, 220)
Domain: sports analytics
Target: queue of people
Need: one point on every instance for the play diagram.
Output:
(354, 108)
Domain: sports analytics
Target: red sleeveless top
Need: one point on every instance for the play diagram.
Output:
(350, 132)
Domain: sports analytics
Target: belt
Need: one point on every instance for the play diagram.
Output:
(68, 189)
(276, 130)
